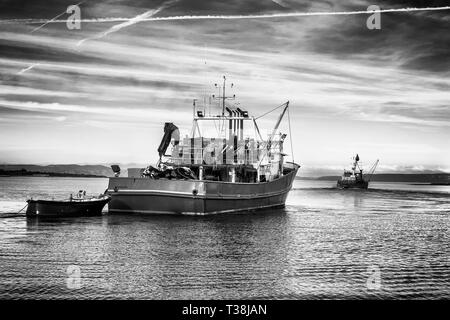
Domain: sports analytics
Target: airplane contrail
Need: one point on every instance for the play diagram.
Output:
(130, 22)
(28, 68)
(280, 3)
(53, 19)
(110, 30)
(147, 16)
(229, 17)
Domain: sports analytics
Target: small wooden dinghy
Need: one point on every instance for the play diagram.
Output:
(78, 206)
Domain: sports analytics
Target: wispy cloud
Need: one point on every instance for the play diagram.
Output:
(53, 19)
(350, 88)
(281, 3)
(28, 68)
(130, 22)
(135, 113)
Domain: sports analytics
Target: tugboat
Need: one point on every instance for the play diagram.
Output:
(236, 170)
(354, 178)
(80, 205)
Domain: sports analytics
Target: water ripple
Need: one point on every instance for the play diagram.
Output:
(326, 243)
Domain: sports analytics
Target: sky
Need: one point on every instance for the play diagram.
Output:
(101, 94)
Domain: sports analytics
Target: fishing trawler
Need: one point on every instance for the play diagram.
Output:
(354, 178)
(237, 170)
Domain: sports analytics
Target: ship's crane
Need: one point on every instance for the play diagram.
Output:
(372, 170)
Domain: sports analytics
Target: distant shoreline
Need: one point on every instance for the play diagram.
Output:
(102, 171)
(411, 178)
(66, 170)
(26, 173)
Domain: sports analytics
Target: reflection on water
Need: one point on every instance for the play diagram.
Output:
(324, 244)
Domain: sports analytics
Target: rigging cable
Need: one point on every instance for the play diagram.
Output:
(22, 209)
(270, 111)
(290, 135)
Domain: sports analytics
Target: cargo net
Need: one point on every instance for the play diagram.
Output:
(169, 172)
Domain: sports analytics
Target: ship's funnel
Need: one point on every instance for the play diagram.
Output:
(241, 126)
(235, 137)
(234, 122)
(230, 126)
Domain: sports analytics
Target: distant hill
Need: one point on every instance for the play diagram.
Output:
(57, 170)
(26, 173)
(434, 178)
(105, 171)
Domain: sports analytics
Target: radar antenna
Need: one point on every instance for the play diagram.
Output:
(223, 97)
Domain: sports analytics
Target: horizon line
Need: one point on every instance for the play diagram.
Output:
(324, 168)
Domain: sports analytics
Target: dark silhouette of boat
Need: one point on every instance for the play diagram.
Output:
(79, 206)
(227, 173)
(354, 178)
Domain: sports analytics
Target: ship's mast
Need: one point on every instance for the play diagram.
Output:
(355, 164)
(224, 97)
(234, 150)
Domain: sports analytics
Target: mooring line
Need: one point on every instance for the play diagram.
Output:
(22, 209)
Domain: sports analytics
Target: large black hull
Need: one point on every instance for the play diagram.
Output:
(195, 197)
(49, 208)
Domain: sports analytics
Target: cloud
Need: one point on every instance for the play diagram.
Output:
(281, 3)
(53, 19)
(135, 113)
(416, 41)
(130, 21)
(349, 86)
(28, 68)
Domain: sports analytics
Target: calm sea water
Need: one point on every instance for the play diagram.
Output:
(391, 241)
